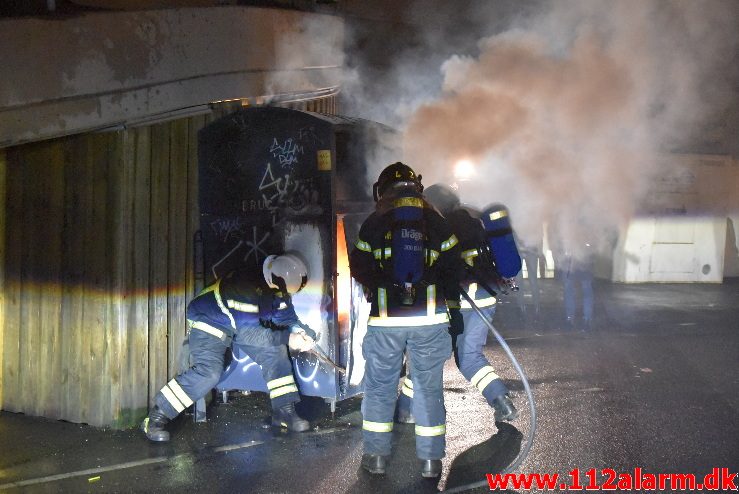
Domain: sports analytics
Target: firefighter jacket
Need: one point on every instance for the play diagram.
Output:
(242, 301)
(370, 264)
(468, 229)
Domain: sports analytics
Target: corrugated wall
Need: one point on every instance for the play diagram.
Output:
(97, 269)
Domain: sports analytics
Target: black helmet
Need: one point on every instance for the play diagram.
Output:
(442, 197)
(396, 174)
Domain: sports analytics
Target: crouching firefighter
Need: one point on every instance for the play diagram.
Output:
(253, 310)
(469, 332)
(404, 256)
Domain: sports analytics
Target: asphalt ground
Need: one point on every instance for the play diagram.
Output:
(654, 385)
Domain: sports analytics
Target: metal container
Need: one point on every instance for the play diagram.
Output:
(273, 179)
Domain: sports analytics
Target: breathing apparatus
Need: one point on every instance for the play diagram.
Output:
(399, 189)
(500, 246)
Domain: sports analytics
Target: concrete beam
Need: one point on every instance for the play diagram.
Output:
(104, 69)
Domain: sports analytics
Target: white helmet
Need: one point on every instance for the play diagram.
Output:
(285, 272)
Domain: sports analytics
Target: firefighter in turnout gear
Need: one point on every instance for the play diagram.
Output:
(406, 257)
(253, 310)
(469, 333)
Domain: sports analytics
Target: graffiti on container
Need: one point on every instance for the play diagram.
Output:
(286, 153)
(255, 247)
(229, 228)
(299, 196)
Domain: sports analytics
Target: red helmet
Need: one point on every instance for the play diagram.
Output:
(396, 175)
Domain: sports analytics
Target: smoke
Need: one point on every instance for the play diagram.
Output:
(303, 43)
(565, 110)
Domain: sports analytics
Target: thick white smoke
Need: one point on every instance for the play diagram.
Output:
(564, 111)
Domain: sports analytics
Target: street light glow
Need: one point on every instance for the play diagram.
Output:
(464, 169)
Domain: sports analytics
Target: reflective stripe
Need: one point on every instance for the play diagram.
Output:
(482, 302)
(210, 288)
(496, 215)
(407, 388)
(442, 318)
(469, 256)
(363, 246)
(483, 377)
(487, 380)
(408, 202)
(377, 426)
(449, 243)
(388, 253)
(283, 391)
(431, 300)
(172, 399)
(242, 306)
(432, 255)
(453, 304)
(208, 329)
(219, 301)
(471, 290)
(382, 302)
(280, 381)
(469, 253)
(434, 430)
(180, 393)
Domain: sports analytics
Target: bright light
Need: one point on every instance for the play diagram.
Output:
(464, 170)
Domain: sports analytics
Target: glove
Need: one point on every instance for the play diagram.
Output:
(300, 342)
(456, 322)
(302, 328)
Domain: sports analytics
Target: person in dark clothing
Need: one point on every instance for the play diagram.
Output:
(405, 316)
(253, 310)
(572, 246)
(469, 332)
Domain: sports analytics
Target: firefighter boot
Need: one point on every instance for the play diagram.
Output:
(286, 416)
(504, 409)
(153, 426)
(374, 463)
(403, 414)
(431, 468)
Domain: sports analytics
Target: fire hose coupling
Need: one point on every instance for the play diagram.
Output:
(509, 284)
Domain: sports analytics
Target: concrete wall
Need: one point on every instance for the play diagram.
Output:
(731, 252)
(683, 235)
(70, 75)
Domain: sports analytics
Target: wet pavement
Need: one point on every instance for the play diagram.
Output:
(654, 385)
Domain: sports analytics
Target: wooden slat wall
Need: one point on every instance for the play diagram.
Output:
(2, 264)
(97, 270)
(158, 231)
(96, 239)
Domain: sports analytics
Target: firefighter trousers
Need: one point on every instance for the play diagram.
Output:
(471, 361)
(428, 348)
(207, 356)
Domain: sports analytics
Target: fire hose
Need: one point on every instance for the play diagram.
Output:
(523, 453)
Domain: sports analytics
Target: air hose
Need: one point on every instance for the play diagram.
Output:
(525, 451)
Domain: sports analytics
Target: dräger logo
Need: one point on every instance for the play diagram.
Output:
(412, 234)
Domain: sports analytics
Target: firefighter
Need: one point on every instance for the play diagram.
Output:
(404, 316)
(253, 310)
(469, 332)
